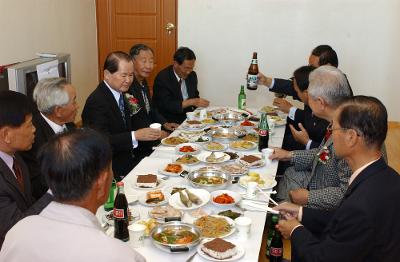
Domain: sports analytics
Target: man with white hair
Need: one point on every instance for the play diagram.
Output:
(56, 101)
(317, 178)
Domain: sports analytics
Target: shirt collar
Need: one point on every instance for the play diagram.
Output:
(56, 127)
(9, 160)
(116, 94)
(359, 170)
(177, 77)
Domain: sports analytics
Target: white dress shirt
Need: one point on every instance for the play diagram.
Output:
(56, 127)
(183, 87)
(63, 233)
(116, 95)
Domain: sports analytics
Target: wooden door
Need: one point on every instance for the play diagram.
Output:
(124, 23)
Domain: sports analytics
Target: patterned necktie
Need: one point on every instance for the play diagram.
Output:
(145, 99)
(121, 107)
(18, 174)
(328, 133)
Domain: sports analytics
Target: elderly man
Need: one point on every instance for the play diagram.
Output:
(17, 133)
(56, 101)
(175, 87)
(77, 166)
(318, 178)
(109, 109)
(365, 226)
(143, 65)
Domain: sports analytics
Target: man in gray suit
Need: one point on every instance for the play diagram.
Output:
(17, 133)
(317, 178)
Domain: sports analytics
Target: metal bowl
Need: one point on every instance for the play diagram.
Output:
(226, 134)
(209, 172)
(175, 226)
(229, 118)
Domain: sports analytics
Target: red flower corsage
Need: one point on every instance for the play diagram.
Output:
(133, 103)
(323, 155)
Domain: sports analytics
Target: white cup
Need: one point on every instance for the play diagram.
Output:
(243, 225)
(190, 115)
(156, 126)
(137, 234)
(267, 152)
(203, 114)
(251, 189)
(271, 124)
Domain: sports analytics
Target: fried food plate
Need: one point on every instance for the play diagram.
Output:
(173, 141)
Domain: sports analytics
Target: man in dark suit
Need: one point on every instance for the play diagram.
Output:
(56, 101)
(175, 87)
(366, 224)
(109, 110)
(143, 65)
(17, 133)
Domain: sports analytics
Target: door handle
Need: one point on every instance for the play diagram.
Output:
(169, 27)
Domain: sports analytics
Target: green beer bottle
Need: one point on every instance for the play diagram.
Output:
(242, 99)
(109, 204)
(271, 230)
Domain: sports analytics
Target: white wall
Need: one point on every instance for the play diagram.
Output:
(58, 26)
(224, 33)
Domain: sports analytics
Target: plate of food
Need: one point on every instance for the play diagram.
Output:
(165, 213)
(225, 198)
(247, 123)
(214, 146)
(233, 155)
(133, 215)
(242, 145)
(215, 226)
(230, 213)
(189, 199)
(235, 169)
(187, 160)
(252, 137)
(220, 250)
(269, 110)
(148, 181)
(171, 169)
(263, 183)
(153, 198)
(188, 148)
(192, 125)
(252, 161)
(213, 157)
(208, 121)
(173, 141)
(279, 121)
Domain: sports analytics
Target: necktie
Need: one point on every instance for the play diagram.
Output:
(121, 107)
(18, 174)
(182, 86)
(328, 133)
(145, 99)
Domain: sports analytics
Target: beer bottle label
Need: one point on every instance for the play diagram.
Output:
(242, 104)
(118, 213)
(252, 80)
(262, 132)
(254, 61)
(275, 252)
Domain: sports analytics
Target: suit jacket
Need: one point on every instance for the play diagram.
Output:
(167, 95)
(328, 181)
(315, 126)
(43, 134)
(15, 204)
(143, 118)
(365, 227)
(101, 112)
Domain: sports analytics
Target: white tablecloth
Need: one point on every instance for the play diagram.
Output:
(163, 155)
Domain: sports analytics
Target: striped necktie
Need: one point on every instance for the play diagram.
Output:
(18, 174)
(121, 107)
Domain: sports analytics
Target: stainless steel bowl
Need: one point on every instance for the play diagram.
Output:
(226, 134)
(209, 172)
(175, 226)
(229, 118)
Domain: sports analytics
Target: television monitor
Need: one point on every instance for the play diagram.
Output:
(23, 77)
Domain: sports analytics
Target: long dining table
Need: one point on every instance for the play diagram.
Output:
(163, 155)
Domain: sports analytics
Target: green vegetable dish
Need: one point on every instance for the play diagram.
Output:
(229, 213)
(209, 180)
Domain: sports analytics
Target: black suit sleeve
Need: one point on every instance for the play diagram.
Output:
(349, 238)
(284, 86)
(97, 115)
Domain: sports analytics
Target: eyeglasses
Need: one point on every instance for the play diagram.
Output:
(330, 129)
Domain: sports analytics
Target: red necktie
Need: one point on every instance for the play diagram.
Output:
(328, 134)
(18, 175)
